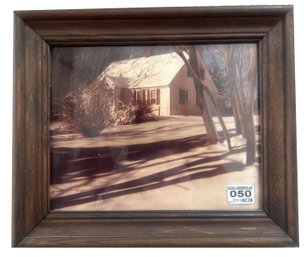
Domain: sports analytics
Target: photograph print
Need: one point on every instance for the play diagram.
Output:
(155, 128)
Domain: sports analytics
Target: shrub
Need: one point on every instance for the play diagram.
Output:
(89, 110)
(144, 112)
(133, 113)
(70, 105)
(125, 115)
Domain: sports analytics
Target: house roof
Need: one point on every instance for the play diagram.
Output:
(149, 72)
(143, 72)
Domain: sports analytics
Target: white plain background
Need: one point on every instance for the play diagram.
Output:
(6, 82)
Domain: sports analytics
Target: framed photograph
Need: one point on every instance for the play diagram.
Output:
(143, 131)
(155, 127)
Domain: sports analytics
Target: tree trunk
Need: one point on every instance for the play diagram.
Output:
(204, 88)
(239, 115)
(250, 138)
(236, 95)
(249, 104)
(236, 118)
(202, 103)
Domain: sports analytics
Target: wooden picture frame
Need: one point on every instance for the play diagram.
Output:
(271, 27)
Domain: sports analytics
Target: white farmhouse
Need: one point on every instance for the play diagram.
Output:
(161, 80)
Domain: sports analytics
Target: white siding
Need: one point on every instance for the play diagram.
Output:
(182, 81)
(164, 101)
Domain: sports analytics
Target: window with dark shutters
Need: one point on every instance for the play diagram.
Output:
(183, 96)
(153, 96)
(138, 97)
(158, 96)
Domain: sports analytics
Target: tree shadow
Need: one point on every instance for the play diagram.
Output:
(198, 169)
(141, 185)
(86, 162)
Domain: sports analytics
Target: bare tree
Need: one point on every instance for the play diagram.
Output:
(241, 70)
(202, 89)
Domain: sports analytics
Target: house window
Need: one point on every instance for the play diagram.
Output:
(138, 97)
(158, 96)
(183, 96)
(147, 96)
(143, 96)
(153, 96)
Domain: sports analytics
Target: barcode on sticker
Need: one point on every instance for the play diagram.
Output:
(241, 194)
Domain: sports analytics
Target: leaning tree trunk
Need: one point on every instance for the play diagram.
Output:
(236, 95)
(204, 108)
(204, 88)
(249, 104)
(244, 105)
(238, 111)
(236, 118)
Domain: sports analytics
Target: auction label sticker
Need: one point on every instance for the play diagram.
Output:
(241, 194)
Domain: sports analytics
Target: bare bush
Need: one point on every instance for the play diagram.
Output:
(144, 112)
(89, 110)
(125, 115)
(133, 113)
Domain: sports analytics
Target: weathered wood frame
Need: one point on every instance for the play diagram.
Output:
(37, 31)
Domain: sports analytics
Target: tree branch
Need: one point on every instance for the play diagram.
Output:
(207, 90)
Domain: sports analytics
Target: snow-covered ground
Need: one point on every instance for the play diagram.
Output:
(157, 165)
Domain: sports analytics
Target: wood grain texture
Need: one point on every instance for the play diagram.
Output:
(279, 142)
(235, 231)
(37, 31)
(158, 26)
(290, 128)
(18, 133)
(31, 115)
(156, 13)
(274, 141)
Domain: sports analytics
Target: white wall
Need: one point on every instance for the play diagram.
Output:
(182, 81)
(6, 44)
(165, 101)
